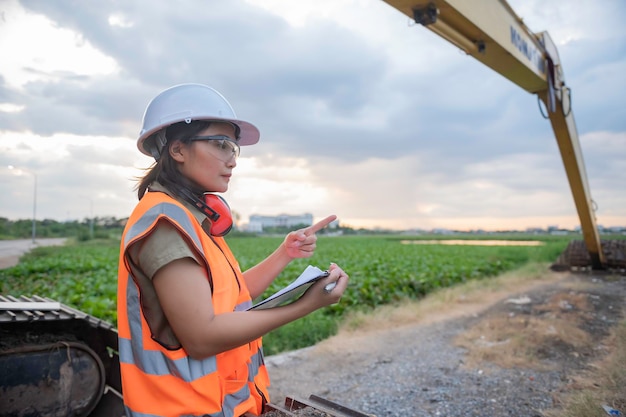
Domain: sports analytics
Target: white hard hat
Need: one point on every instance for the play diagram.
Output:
(186, 103)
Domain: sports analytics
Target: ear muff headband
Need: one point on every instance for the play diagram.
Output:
(215, 208)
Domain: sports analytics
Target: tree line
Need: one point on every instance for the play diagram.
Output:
(111, 227)
(98, 227)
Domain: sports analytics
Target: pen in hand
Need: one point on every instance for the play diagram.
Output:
(329, 287)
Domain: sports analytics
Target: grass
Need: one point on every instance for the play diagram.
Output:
(466, 298)
(383, 272)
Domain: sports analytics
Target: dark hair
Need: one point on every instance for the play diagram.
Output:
(165, 170)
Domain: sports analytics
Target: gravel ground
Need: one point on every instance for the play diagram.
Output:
(419, 369)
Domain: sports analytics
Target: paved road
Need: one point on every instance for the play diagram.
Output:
(11, 250)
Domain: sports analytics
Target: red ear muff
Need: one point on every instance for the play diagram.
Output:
(214, 207)
(219, 214)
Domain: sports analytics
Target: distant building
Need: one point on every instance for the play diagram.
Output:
(259, 223)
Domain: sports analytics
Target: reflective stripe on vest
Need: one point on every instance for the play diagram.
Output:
(154, 362)
(172, 211)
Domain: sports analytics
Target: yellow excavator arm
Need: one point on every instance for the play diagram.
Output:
(491, 32)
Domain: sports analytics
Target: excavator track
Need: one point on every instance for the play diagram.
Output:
(576, 257)
(57, 361)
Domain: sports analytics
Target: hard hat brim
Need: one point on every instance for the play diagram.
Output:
(191, 102)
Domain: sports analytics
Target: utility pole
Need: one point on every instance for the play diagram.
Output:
(34, 226)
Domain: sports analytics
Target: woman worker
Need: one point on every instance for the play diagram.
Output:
(188, 344)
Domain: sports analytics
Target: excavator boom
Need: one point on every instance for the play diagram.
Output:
(491, 32)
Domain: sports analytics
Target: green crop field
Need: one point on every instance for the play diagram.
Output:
(382, 269)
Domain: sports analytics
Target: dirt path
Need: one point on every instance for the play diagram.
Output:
(12, 250)
(9, 261)
(509, 350)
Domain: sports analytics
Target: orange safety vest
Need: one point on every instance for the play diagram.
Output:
(161, 382)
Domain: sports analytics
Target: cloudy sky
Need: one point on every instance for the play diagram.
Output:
(362, 113)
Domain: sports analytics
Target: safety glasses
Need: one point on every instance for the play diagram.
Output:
(222, 147)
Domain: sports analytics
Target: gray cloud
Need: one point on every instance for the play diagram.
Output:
(445, 136)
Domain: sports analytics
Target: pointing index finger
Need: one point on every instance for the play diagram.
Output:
(319, 225)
